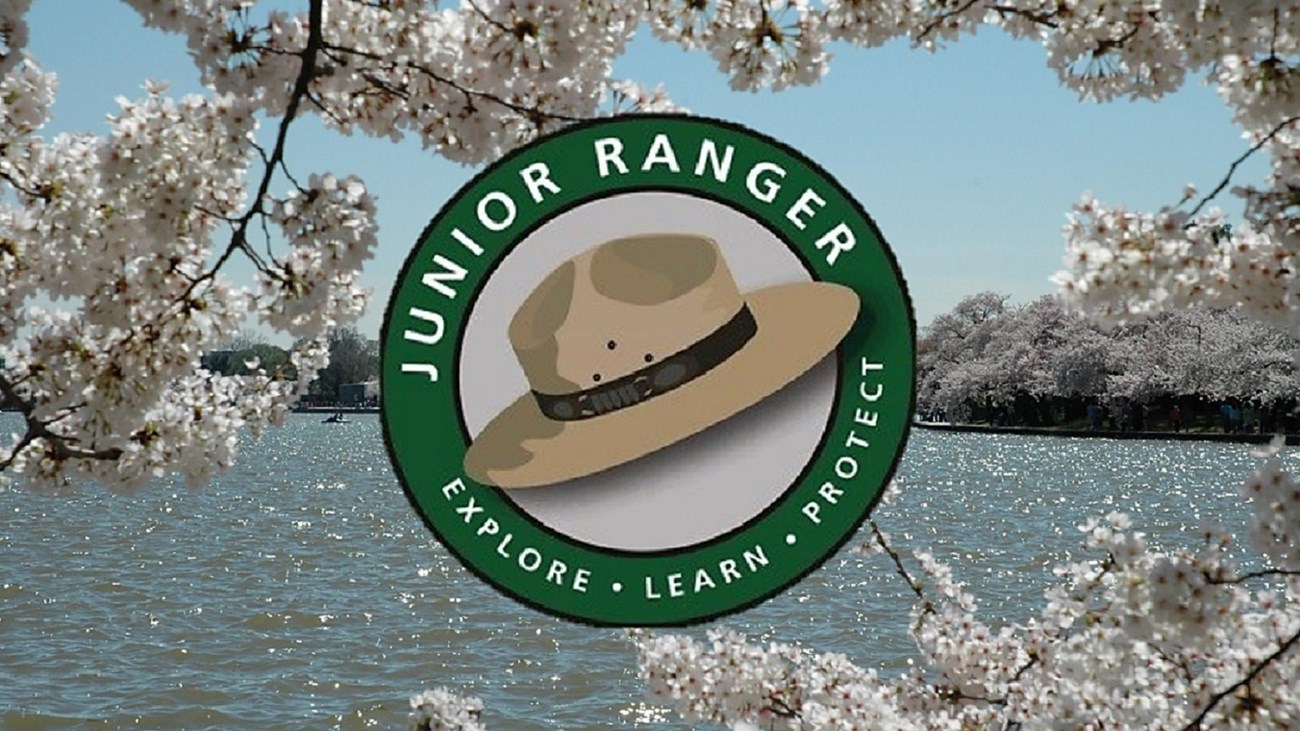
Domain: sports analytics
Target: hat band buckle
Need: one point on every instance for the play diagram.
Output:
(653, 380)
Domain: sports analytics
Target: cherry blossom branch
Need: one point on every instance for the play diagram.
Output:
(899, 568)
(483, 14)
(1237, 163)
(1044, 19)
(1263, 573)
(942, 18)
(302, 83)
(33, 192)
(531, 112)
(60, 445)
(1195, 724)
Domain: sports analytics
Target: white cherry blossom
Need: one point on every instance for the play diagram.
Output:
(129, 232)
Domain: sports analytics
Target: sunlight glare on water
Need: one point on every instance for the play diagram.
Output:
(300, 590)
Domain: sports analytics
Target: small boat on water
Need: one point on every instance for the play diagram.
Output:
(336, 419)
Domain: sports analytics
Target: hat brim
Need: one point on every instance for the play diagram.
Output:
(798, 325)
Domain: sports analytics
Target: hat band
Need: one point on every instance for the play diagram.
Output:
(677, 369)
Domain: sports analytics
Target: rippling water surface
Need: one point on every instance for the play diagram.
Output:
(301, 590)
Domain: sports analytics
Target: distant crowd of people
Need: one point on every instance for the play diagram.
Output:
(1244, 420)
(311, 403)
(1235, 417)
(1133, 417)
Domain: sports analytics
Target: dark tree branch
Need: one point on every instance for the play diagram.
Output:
(1195, 724)
(942, 18)
(1263, 573)
(1236, 163)
(1046, 20)
(32, 192)
(487, 17)
(301, 86)
(912, 584)
(531, 112)
(62, 447)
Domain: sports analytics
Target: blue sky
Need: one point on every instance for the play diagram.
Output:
(968, 159)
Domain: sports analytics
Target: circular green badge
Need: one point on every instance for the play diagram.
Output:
(647, 371)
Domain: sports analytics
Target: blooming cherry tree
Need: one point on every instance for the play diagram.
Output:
(130, 234)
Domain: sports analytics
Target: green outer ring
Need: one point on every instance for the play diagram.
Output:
(427, 451)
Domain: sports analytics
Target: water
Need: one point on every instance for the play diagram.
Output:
(301, 591)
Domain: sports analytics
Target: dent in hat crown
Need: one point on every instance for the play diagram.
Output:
(619, 307)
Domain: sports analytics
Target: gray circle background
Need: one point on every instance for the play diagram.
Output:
(688, 492)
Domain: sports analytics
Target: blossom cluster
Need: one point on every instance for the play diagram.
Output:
(1129, 638)
(129, 233)
(973, 358)
(439, 709)
(176, 185)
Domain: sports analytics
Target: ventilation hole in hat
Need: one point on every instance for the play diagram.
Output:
(611, 345)
(595, 377)
(649, 358)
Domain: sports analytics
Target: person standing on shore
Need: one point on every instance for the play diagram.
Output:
(1176, 418)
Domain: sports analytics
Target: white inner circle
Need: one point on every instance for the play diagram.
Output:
(698, 488)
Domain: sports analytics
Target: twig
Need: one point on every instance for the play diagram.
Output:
(33, 192)
(1043, 19)
(306, 73)
(469, 93)
(1195, 724)
(943, 17)
(488, 18)
(913, 584)
(1251, 575)
(1233, 168)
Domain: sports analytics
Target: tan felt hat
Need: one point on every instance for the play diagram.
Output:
(641, 342)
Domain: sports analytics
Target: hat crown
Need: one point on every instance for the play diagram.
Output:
(620, 307)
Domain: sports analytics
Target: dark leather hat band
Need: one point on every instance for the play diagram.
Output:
(677, 369)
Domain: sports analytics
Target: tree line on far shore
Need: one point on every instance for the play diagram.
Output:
(354, 358)
(1039, 365)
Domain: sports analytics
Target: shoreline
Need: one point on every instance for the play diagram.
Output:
(336, 409)
(1183, 436)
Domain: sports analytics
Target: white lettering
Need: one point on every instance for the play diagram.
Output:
(493, 224)
(469, 509)
(467, 242)
(451, 272)
(865, 418)
(728, 568)
(610, 150)
(829, 492)
(675, 585)
(424, 338)
(703, 581)
(846, 473)
(756, 559)
(803, 207)
(661, 153)
(812, 510)
(530, 559)
(455, 487)
(536, 177)
(428, 369)
(489, 528)
(839, 239)
(770, 188)
(709, 155)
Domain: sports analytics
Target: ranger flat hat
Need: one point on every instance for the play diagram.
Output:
(641, 342)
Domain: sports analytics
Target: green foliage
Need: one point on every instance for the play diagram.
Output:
(354, 358)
